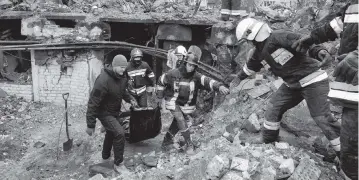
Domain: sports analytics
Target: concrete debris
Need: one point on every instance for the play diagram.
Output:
(259, 91)
(97, 177)
(232, 175)
(252, 123)
(105, 169)
(306, 170)
(282, 145)
(218, 166)
(150, 159)
(239, 164)
(277, 83)
(244, 85)
(2, 93)
(287, 166)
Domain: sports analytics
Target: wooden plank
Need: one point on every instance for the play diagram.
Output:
(35, 77)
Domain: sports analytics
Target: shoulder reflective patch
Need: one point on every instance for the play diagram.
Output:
(282, 56)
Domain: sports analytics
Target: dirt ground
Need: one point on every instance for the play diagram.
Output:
(21, 159)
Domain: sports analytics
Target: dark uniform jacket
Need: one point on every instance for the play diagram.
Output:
(180, 88)
(140, 76)
(275, 53)
(106, 96)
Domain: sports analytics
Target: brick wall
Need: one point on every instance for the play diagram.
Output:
(53, 83)
(24, 91)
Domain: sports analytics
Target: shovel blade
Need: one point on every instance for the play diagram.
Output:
(67, 145)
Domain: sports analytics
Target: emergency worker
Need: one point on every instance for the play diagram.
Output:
(344, 91)
(303, 78)
(179, 88)
(140, 76)
(105, 104)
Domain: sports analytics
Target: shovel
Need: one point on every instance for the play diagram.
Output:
(68, 144)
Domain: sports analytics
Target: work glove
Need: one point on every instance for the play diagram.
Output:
(224, 90)
(347, 69)
(134, 104)
(325, 57)
(235, 82)
(302, 45)
(90, 131)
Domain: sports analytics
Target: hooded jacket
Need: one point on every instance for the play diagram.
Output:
(181, 88)
(106, 95)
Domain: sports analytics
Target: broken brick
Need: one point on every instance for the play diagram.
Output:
(252, 124)
(306, 170)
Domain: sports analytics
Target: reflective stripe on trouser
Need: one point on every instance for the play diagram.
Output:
(349, 143)
(141, 99)
(316, 98)
(114, 137)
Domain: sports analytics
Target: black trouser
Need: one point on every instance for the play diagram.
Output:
(141, 99)
(179, 123)
(115, 136)
(316, 97)
(349, 143)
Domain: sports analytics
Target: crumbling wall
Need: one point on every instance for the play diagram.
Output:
(24, 91)
(54, 79)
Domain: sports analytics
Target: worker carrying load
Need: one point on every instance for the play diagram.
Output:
(179, 88)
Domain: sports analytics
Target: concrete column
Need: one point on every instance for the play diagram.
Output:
(35, 77)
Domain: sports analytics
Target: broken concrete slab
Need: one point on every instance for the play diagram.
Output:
(239, 164)
(287, 166)
(277, 83)
(97, 177)
(259, 91)
(39, 144)
(252, 123)
(282, 145)
(105, 169)
(3, 93)
(217, 167)
(150, 159)
(244, 85)
(232, 175)
(306, 170)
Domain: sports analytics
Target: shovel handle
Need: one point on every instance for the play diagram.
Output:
(65, 96)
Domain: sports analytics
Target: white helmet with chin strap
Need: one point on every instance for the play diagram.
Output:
(252, 29)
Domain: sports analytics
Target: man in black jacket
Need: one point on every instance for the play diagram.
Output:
(105, 104)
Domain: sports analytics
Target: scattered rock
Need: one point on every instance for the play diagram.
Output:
(2, 93)
(277, 83)
(232, 175)
(150, 159)
(27, 117)
(228, 136)
(287, 166)
(259, 91)
(252, 124)
(306, 170)
(240, 164)
(39, 144)
(105, 169)
(244, 85)
(217, 167)
(281, 145)
(97, 177)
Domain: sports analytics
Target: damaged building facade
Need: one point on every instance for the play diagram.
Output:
(60, 56)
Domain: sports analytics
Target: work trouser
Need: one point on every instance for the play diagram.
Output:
(316, 97)
(349, 143)
(114, 136)
(141, 99)
(232, 7)
(179, 123)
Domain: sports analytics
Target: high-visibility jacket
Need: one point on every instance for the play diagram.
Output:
(140, 77)
(275, 53)
(344, 26)
(179, 89)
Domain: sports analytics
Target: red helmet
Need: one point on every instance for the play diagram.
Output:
(136, 53)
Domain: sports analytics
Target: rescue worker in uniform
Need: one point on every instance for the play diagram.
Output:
(140, 76)
(179, 88)
(344, 91)
(303, 79)
(105, 104)
(176, 57)
(232, 8)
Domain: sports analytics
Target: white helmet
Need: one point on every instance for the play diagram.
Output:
(180, 50)
(252, 29)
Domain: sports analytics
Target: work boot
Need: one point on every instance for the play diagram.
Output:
(189, 147)
(255, 139)
(167, 143)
